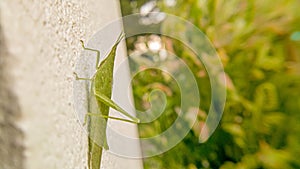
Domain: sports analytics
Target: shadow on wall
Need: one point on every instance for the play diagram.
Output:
(11, 137)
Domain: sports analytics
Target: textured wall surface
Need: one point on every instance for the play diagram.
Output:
(41, 40)
(11, 136)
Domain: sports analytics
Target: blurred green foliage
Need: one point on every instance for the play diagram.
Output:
(258, 43)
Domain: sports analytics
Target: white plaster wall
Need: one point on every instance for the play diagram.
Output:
(42, 39)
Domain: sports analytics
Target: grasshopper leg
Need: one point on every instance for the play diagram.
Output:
(81, 78)
(113, 105)
(94, 50)
(106, 117)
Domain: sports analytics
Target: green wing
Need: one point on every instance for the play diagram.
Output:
(101, 86)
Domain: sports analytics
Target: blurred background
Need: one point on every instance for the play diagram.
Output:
(258, 43)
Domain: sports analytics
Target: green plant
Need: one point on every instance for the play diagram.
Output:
(258, 44)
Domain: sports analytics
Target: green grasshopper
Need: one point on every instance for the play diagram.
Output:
(101, 89)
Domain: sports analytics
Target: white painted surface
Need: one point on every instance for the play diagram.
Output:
(42, 38)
